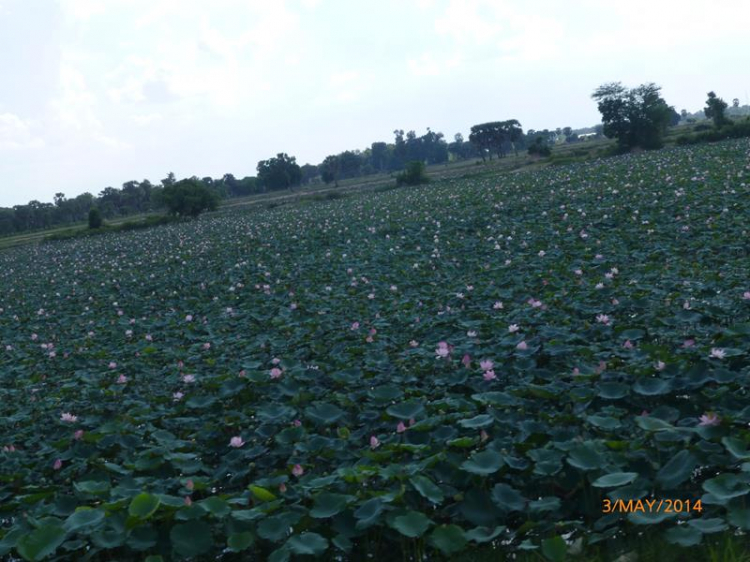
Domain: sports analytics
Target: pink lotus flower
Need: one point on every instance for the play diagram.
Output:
(78, 435)
(112, 365)
(374, 442)
(189, 318)
(188, 379)
(9, 448)
(355, 326)
(522, 346)
(275, 373)
(660, 365)
(489, 375)
(466, 361)
(190, 485)
(296, 423)
(483, 436)
(746, 295)
(369, 339)
(603, 319)
(578, 272)
(601, 367)
(34, 337)
(717, 353)
(498, 305)
(68, 417)
(57, 464)
(122, 379)
(180, 364)
(188, 501)
(242, 373)
(297, 470)
(275, 361)
(400, 428)
(177, 396)
(709, 419)
(282, 487)
(442, 352)
(236, 442)
(486, 364)
(206, 346)
(627, 344)
(149, 337)
(688, 343)
(513, 328)
(414, 343)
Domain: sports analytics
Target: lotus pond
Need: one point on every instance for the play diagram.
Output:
(473, 365)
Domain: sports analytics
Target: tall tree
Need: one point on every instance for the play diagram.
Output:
(330, 170)
(635, 117)
(280, 172)
(715, 109)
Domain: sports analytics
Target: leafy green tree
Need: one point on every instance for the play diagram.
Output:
(309, 173)
(496, 136)
(280, 172)
(636, 118)
(329, 170)
(715, 109)
(188, 197)
(379, 156)
(540, 146)
(95, 219)
(413, 174)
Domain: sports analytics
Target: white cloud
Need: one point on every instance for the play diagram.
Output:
(499, 29)
(146, 119)
(82, 9)
(346, 86)
(17, 133)
(429, 64)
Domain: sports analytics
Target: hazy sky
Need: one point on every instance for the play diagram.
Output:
(95, 93)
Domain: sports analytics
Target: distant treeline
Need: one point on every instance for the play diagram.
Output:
(282, 172)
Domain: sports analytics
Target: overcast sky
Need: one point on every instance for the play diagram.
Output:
(95, 93)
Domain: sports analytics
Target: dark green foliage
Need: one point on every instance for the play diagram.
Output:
(330, 169)
(638, 117)
(95, 218)
(497, 137)
(539, 147)
(413, 174)
(280, 172)
(487, 470)
(188, 197)
(715, 109)
(729, 131)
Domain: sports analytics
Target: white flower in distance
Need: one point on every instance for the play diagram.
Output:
(718, 353)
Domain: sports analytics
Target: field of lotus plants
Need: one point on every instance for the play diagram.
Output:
(492, 364)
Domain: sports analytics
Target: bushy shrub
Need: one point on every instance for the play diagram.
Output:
(539, 148)
(731, 131)
(188, 197)
(95, 218)
(413, 174)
